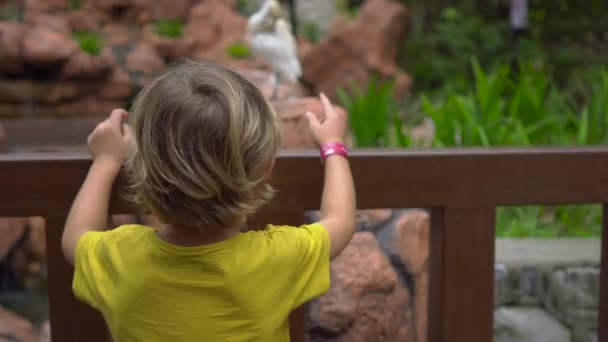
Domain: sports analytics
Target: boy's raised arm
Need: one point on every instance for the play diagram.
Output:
(108, 145)
(338, 202)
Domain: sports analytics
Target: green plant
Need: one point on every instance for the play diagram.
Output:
(89, 42)
(311, 32)
(579, 221)
(75, 4)
(10, 12)
(504, 109)
(592, 123)
(239, 51)
(373, 114)
(172, 28)
(242, 6)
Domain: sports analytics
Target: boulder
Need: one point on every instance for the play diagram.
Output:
(291, 112)
(174, 9)
(82, 65)
(118, 86)
(527, 325)
(24, 90)
(45, 46)
(410, 243)
(11, 54)
(572, 295)
(124, 11)
(214, 26)
(168, 48)
(366, 301)
(361, 49)
(144, 59)
(11, 230)
(81, 20)
(17, 328)
(2, 138)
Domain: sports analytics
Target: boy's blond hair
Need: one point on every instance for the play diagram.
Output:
(205, 140)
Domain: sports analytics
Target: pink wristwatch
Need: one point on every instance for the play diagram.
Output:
(333, 148)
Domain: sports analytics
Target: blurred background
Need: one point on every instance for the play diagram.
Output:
(410, 74)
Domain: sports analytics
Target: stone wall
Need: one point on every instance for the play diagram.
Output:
(547, 290)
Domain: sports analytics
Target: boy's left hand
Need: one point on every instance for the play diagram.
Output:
(110, 140)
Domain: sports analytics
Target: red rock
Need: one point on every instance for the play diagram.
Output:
(362, 48)
(11, 57)
(118, 86)
(19, 91)
(168, 48)
(82, 65)
(144, 59)
(215, 26)
(366, 302)
(126, 11)
(17, 327)
(45, 47)
(35, 245)
(81, 20)
(372, 219)
(2, 138)
(423, 135)
(45, 332)
(118, 34)
(89, 106)
(411, 240)
(36, 7)
(54, 22)
(174, 9)
(11, 230)
(411, 245)
(291, 112)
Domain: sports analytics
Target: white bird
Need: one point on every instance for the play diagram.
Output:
(270, 39)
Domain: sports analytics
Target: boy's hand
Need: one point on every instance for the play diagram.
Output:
(330, 130)
(110, 140)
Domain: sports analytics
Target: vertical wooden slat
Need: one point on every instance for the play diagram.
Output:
(435, 263)
(71, 320)
(603, 305)
(462, 274)
(299, 317)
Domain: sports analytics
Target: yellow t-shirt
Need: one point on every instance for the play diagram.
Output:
(241, 289)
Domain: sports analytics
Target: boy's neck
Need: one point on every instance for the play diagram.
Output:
(190, 237)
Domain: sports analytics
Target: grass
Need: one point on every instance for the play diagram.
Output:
(503, 107)
(373, 114)
(239, 51)
(75, 5)
(10, 12)
(89, 42)
(311, 32)
(170, 28)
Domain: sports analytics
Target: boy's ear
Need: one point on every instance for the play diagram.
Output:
(269, 169)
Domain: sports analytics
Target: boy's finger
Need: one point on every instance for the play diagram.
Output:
(312, 119)
(329, 108)
(117, 116)
(127, 132)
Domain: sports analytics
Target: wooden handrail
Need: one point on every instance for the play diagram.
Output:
(463, 187)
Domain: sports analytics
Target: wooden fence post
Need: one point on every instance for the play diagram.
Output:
(461, 286)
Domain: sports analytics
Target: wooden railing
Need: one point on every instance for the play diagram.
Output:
(462, 187)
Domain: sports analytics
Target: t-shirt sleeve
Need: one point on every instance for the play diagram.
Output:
(85, 266)
(307, 248)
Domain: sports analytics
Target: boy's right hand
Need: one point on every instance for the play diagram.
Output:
(332, 129)
(110, 140)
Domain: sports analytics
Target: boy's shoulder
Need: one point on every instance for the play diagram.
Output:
(129, 231)
(306, 231)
